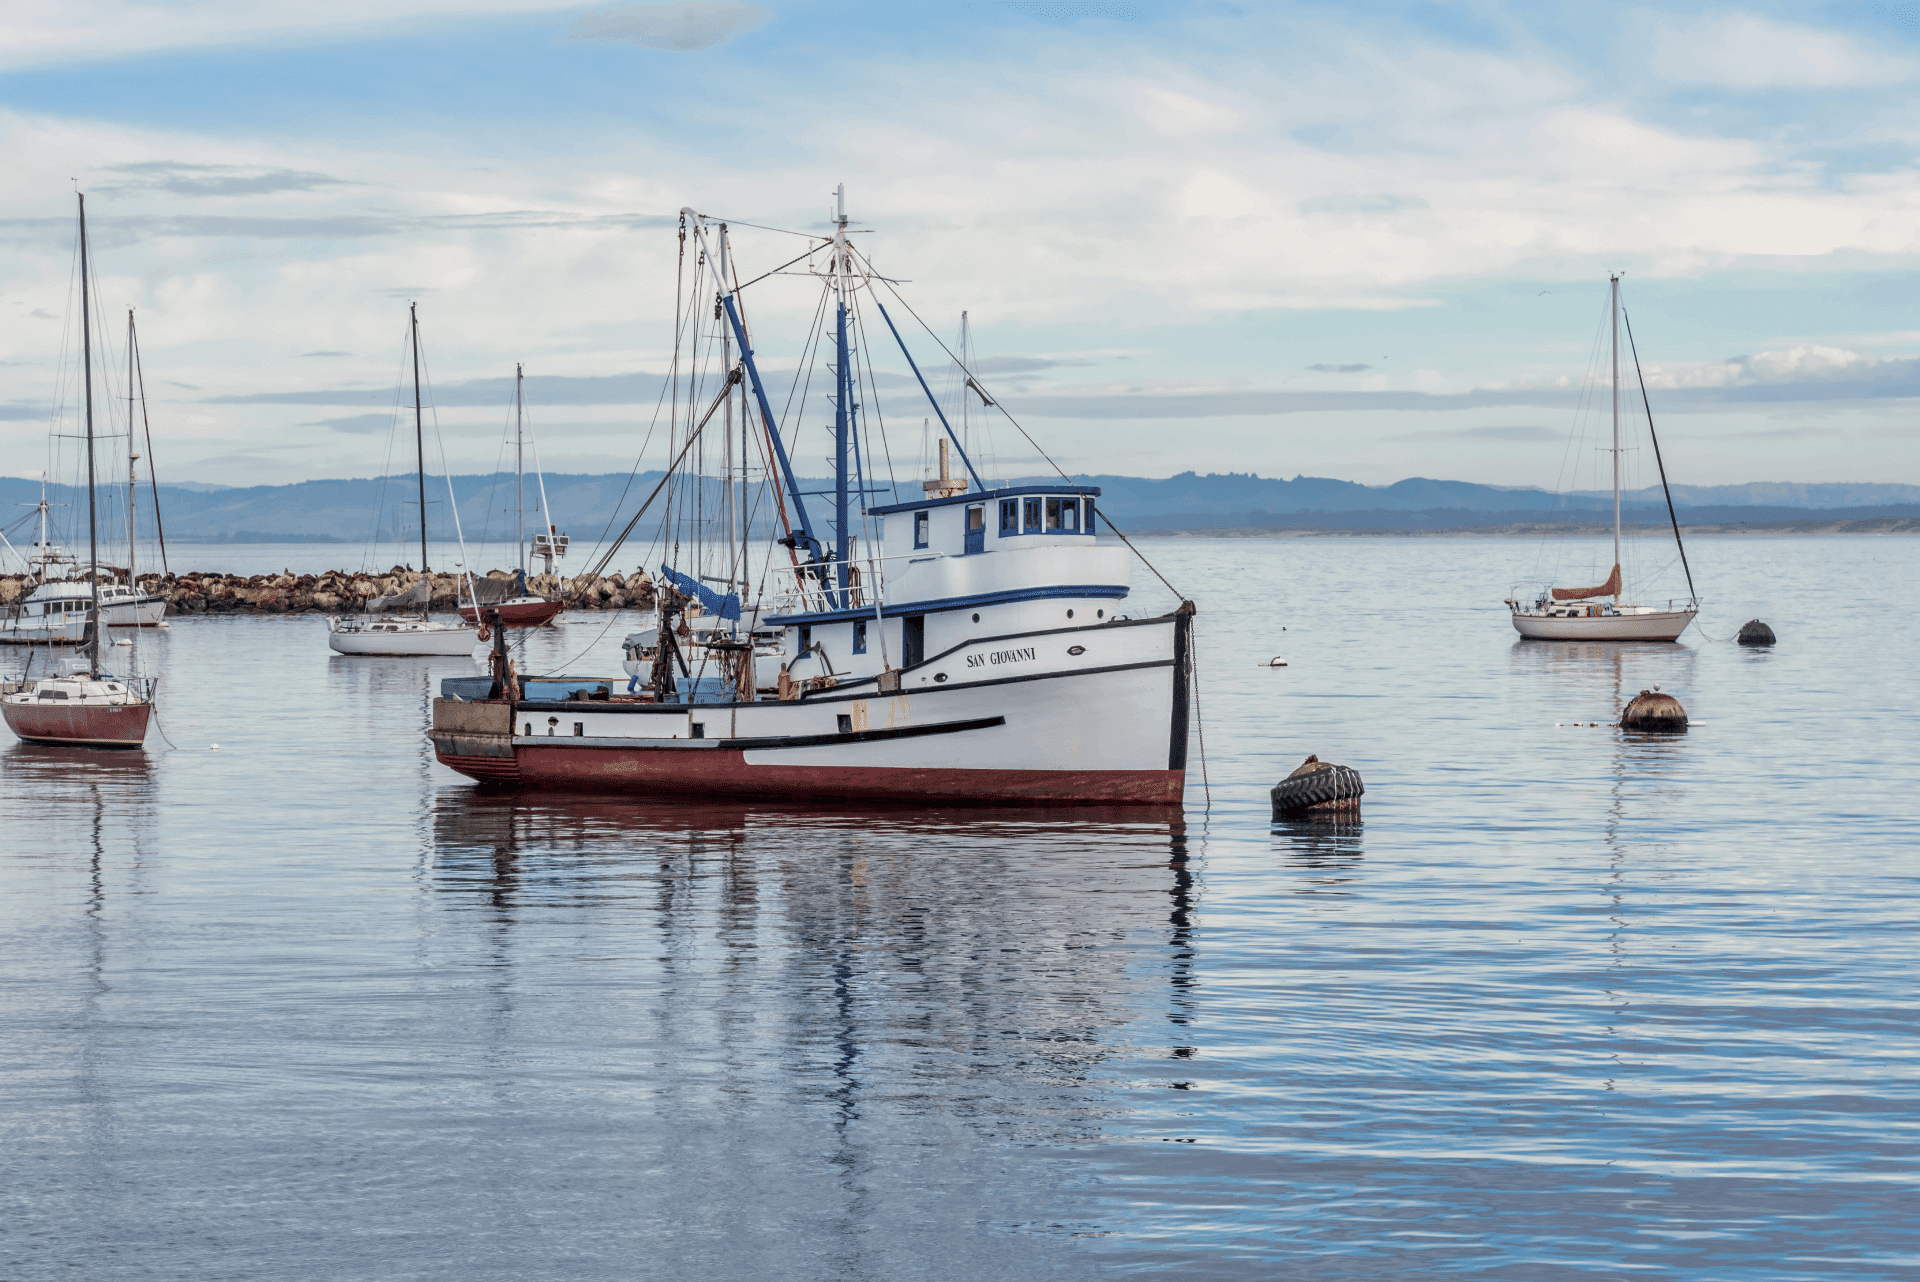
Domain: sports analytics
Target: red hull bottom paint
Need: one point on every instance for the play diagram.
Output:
(528, 615)
(83, 726)
(670, 773)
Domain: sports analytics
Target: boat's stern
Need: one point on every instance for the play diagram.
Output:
(475, 738)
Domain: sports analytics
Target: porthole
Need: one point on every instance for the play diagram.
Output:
(1099, 614)
(1069, 614)
(976, 618)
(1076, 649)
(939, 676)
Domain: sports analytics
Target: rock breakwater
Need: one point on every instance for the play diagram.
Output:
(344, 592)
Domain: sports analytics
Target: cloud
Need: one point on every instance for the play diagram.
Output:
(128, 230)
(215, 180)
(355, 422)
(686, 27)
(18, 412)
(1744, 51)
(636, 388)
(305, 355)
(1339, 369)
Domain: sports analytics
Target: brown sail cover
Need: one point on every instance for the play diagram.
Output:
(1610, 588)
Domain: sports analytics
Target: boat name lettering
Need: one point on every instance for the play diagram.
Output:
(1001, 656)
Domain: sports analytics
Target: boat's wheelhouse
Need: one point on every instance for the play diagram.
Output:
(985, 563)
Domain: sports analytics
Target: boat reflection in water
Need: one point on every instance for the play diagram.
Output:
(966, 965)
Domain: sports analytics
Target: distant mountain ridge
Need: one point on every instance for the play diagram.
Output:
(585, 504)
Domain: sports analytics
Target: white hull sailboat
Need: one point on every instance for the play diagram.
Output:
(418, 637)
(979, 650)
(83, 706)
(401, 624)
(1602, 613)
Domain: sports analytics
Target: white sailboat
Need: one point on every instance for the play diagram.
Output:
(402, 623)
(80, 704)
(1603, 612)
(975, 644)
(491, 602)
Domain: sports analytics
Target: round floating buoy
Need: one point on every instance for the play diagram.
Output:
(1651, 710)
(1275, 662)
(1317, 787)
(1754, 632)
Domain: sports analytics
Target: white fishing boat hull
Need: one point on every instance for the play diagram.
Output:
(40, 630)
(140, 612)
(1016, 718)
(402, 638)
(1632, 623)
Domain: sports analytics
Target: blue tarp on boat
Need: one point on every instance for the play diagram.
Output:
(723, 607)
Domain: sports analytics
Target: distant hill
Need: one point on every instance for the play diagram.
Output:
(352, 510)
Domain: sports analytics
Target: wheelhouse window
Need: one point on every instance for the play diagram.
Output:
(1089, 525)
(977, 517)
(922, 528)
(1031, 515)
(1009, 516)
(859, 636)
(1053, 512)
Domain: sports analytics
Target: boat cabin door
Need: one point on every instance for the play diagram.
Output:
(976, 528)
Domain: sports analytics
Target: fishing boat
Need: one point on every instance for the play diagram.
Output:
(82, 705)
(976, 644)
(401, 623)
(1604, 612)
(523, 609)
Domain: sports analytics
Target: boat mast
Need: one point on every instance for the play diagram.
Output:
(519, 473)
(842, 420)
(133, 479)
(1614, 308)
(419, 433)
(735, 557)
(86, 358)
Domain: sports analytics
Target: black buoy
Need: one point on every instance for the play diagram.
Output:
(1318, 787)
(1651, 710)
(1754, 632)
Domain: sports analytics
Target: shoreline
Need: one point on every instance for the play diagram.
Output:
(334, 592)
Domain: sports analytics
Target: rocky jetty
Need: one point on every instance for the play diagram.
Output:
(344, 592)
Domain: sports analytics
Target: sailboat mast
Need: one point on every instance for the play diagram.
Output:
(133, 479)
(1614, 308)
(86, 358)
(519, 473)
(842, 434)
(419, 432)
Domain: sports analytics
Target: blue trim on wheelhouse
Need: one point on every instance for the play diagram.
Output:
(1101, 591)
(982, 496)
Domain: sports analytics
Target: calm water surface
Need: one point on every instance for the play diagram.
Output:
(1564, 1003)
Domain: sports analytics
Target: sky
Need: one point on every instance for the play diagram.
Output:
(1359, 240)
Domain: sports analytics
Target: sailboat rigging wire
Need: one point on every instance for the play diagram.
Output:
(1655, 437)
(782, 267)
(1001, 406)
(153, 479)
(672, 467)
(453, 503)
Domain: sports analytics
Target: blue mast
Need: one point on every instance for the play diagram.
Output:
(842, 435)
(803, 536)
(843, 409)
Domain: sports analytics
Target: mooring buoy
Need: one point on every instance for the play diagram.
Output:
(1651, 710)
(1754, 632)
(1318, 787)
